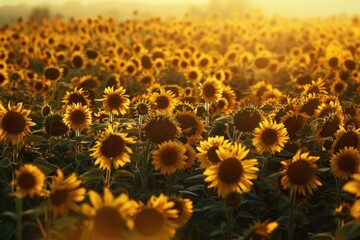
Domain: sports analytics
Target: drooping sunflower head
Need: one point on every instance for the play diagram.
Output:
(260, 230)
(309, 104)
(327, 108)
(211, 90)
(316, 87)
(299, 174)
(146, 78)
(54, 125)
(88, 82)
(65, 194)
(184, 206)
(209, 150)
(160, 128)
(247, 119)
(270, 136)
(77, 96)
(112, 149)
(14, 123)
(346, 138)
(29, 181)
(191, 125)
(164, 101)
(115, 101)
(169, 157)
(159, 212)
(110, 218)
(332, 123)
(233, 172)
(294, 122)
(190, 156)
(77, 117)
(345, 163)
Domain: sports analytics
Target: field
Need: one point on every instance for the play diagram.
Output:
(246, 127)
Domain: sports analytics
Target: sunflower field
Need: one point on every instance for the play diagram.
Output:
(246, 127)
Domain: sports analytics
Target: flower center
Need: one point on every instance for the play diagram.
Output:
(169, 156)
(113, 146)
(188, 124)
(59, 197)
(149, 221)
(52, 73)
(299, 172)
(209, 90)
(26, 181)
(231, 170)
(78, 117)
(162, 102)
(212, 155)
(77, 98)
(269, 136)
(13, 123)
(114, 101)
(347, 163)
(108, 222)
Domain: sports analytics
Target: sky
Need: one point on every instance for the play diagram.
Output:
(279, 7)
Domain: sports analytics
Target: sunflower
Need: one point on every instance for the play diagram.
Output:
(159, 212)
(247, 118)
(353, 186)
(316, 87)
(4, 79)
(77, 96)
(115, 101)
(190, 156)
(294, 122)
(115, 81)
(145, 79)
(77, 117)
(54, 125)
(338, 87)
(164, 101)
(326, 108)
(53, 73)
(160, 128)
(208, 150)
(345, 163)
(169, 157)
(112, 149)
(329, 126)
(184, 206)
(14, 123)
(309, 103)
(193, 74)
(29, 181)
(88, 82)
(270, 136)
(110, 218)
(260, 88)
(260, 230)
(78, 60)
(191, 125)
(141, 107)
(175, 89)
(65, 194)
(211, 90)
(346, 138)
(299, 174)
(230, 95)
(233, 172)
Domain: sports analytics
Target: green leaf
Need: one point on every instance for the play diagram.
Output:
(188, 192)
(7, 230)
(34, 138)
(123, 173)
(45, 166)
(93, 176)
(350, 231)
(5, 163)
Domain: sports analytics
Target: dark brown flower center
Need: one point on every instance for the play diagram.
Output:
(160, 130)
(339, 87)
(149, 221)
(193, 75)
(348, 163)
(114, 101)
(146, 62)
(146, 80)
(212, 155)
(262, 62)
(304, 79)
(209, 90)
(294, 124)
(59, 197)
(299, 172)
(2, 78)
(349, 139)
(142, 108)
(330, 127)
(13, 123)
(78, 117)
(269, 136)
(113, 146)
(177, 205)
(169, 156)
(310, 106)
(54, 126)
(108, 222)
(231, 170)
(26, 181)
(78, 61)
(333, 62)
(162, 102)
(350, 64)
(52, 73)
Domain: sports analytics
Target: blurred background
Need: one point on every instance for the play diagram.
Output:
(10, 10)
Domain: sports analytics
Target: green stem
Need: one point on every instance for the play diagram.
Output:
(144, 163)
(107, 177)
(19, 207)
(77, 134)
(339, 184)
(170, 184)
(230, 221)
(207, 114)
(291, 224)
(262, 176)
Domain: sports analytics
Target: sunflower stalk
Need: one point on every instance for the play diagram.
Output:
(262, 175)
(108, 177)
(230, 220)
(144, 163)
(338, 187)
(207, 114)
(291, 223)
(77, 150)
(19, 207)
(14, 161)
(41, 227)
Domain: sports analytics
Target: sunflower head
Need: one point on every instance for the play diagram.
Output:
(164, 101)
(247, 119)
(184, 206)
(260, 230)
(211, 90)
(53, 73)
(14, 123)
(191, 125)
(77, 117)
(169, 157)
(115, 101)
(160, 128)
(29, 181)
(299, 174)
(346, 162)
(209, 150)
(77, 96)
(54, 125)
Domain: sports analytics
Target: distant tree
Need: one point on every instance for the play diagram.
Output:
(40, 13)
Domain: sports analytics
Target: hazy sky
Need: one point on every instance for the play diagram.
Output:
(279, 7)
